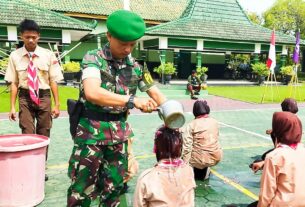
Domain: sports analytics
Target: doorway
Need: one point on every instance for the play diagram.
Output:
(184, 64)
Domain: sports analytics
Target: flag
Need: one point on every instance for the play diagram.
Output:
(271, 62)
(296, 53)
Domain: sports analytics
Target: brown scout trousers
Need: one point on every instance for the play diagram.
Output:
(29, 111)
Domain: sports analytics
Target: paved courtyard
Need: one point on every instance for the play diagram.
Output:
(232, 183)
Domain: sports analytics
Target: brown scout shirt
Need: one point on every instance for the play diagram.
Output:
(165, 187)
(283, 178)
(49, 69)
(201, 147)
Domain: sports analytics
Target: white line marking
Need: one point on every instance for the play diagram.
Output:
(246, 131)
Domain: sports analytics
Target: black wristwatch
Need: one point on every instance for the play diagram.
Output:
(130, 103)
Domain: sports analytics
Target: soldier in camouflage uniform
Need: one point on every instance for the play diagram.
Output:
(110, 79)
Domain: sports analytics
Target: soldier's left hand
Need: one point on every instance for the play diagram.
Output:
(145, 105)
(151, 106)
(55, 112)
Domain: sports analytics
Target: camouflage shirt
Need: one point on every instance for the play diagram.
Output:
(118, 76)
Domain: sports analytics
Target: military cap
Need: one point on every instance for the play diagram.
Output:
(125, 25)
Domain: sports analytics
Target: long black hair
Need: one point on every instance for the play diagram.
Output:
(168, 143)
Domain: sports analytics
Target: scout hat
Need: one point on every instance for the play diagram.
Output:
(286, 127)
(125, 25)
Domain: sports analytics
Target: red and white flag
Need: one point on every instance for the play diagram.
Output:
(271, 62)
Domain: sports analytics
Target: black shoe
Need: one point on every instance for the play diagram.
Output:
(46, 177)
(197, 93)
(194, 97)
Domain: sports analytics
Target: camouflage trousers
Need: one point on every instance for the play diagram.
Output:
(97, 170)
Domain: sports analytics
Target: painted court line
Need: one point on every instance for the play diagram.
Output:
(247, 146)
(235, 185)
(225, 179)
(145, 156)
(246, 131)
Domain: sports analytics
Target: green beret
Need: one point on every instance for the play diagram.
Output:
(125, 25)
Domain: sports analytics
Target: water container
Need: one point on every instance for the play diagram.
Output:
(22, 169)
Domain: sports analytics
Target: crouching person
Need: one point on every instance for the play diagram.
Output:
(201, 148)
(170, 182)
(283, 181)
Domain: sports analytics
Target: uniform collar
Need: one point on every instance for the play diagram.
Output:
(170, 163)
(292, 146)
(106, 54)
(37, 51)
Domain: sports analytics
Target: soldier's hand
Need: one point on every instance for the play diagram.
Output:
(145, 105)
(55, 112)
(12, 115)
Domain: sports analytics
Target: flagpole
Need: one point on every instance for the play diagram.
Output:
(266, 85)
(295, 58)
(271, 88)
(271, 64)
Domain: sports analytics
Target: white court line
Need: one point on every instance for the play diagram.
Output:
(236, 110)
(66, 117)
(246, 131)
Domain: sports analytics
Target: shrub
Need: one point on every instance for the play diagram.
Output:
(201, 71)
(3, 64)
(287, 70)
(169, 69)
(71, 67)
(260, 69)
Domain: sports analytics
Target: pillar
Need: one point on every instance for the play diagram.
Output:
(283, 60)
(255, 58)
(162, 61)
(99, 41)
(303, 60)
(199, 59)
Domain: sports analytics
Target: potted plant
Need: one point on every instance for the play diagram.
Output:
(261, 70)
(71, 70)
(167, 69)
(287, 72)
(232, 69)
(3, 66)
(201, 72)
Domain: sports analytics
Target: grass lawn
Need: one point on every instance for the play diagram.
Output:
(255, 93)
(243, 93)
(64, 91)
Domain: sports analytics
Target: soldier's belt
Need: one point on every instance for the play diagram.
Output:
(99, 116)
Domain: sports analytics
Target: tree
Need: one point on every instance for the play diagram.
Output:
(255, 18)
(286, 16)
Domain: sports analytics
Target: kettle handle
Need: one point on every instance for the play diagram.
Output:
(160, 112)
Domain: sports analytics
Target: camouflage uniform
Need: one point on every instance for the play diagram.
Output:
(99, 158)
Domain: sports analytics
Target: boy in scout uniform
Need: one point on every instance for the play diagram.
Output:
(32, 71)
(110, 79)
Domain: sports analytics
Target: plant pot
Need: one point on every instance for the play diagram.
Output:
(69, 76)
(287, 79)
(167, 78)
(78, 76)
(234, 74)
(204, 77)
(261, 79)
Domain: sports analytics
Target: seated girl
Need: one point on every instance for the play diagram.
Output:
(283, 180)
(170, 182)
(289, 105)
(201, 148)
